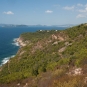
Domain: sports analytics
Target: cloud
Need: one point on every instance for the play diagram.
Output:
(83, 10)
(69, 8)
(80, 16)
(8, 13)
(80, 5)
(48, 11)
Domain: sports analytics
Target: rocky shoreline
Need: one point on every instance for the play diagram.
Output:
(20, 42)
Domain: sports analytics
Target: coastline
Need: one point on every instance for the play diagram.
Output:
(17, 42)
(20, 42)
(6, 59)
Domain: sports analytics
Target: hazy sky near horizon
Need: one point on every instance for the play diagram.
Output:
(44, 12)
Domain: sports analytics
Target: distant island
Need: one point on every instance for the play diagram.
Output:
(48, 58)
(23, 25)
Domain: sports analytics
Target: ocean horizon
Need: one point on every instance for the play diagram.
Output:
(8, 36)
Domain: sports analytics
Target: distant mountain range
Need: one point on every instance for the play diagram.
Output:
(12, 25)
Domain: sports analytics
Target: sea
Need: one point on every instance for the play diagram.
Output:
(8, 36)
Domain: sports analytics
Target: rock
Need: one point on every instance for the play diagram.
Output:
(22, 53)
(18, 84)
(54, 37)
(56, 42)
(60, 38)
(62, 49)
(21, 43)
(68, 44)
(76, 71)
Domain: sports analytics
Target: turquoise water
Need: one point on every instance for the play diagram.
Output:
(8, 47)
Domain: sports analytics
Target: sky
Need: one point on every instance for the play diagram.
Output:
(43, 12)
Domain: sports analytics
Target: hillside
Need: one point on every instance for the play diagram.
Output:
(54, 58)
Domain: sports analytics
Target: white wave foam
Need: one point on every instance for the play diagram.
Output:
(15, 42)
(5, 60)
